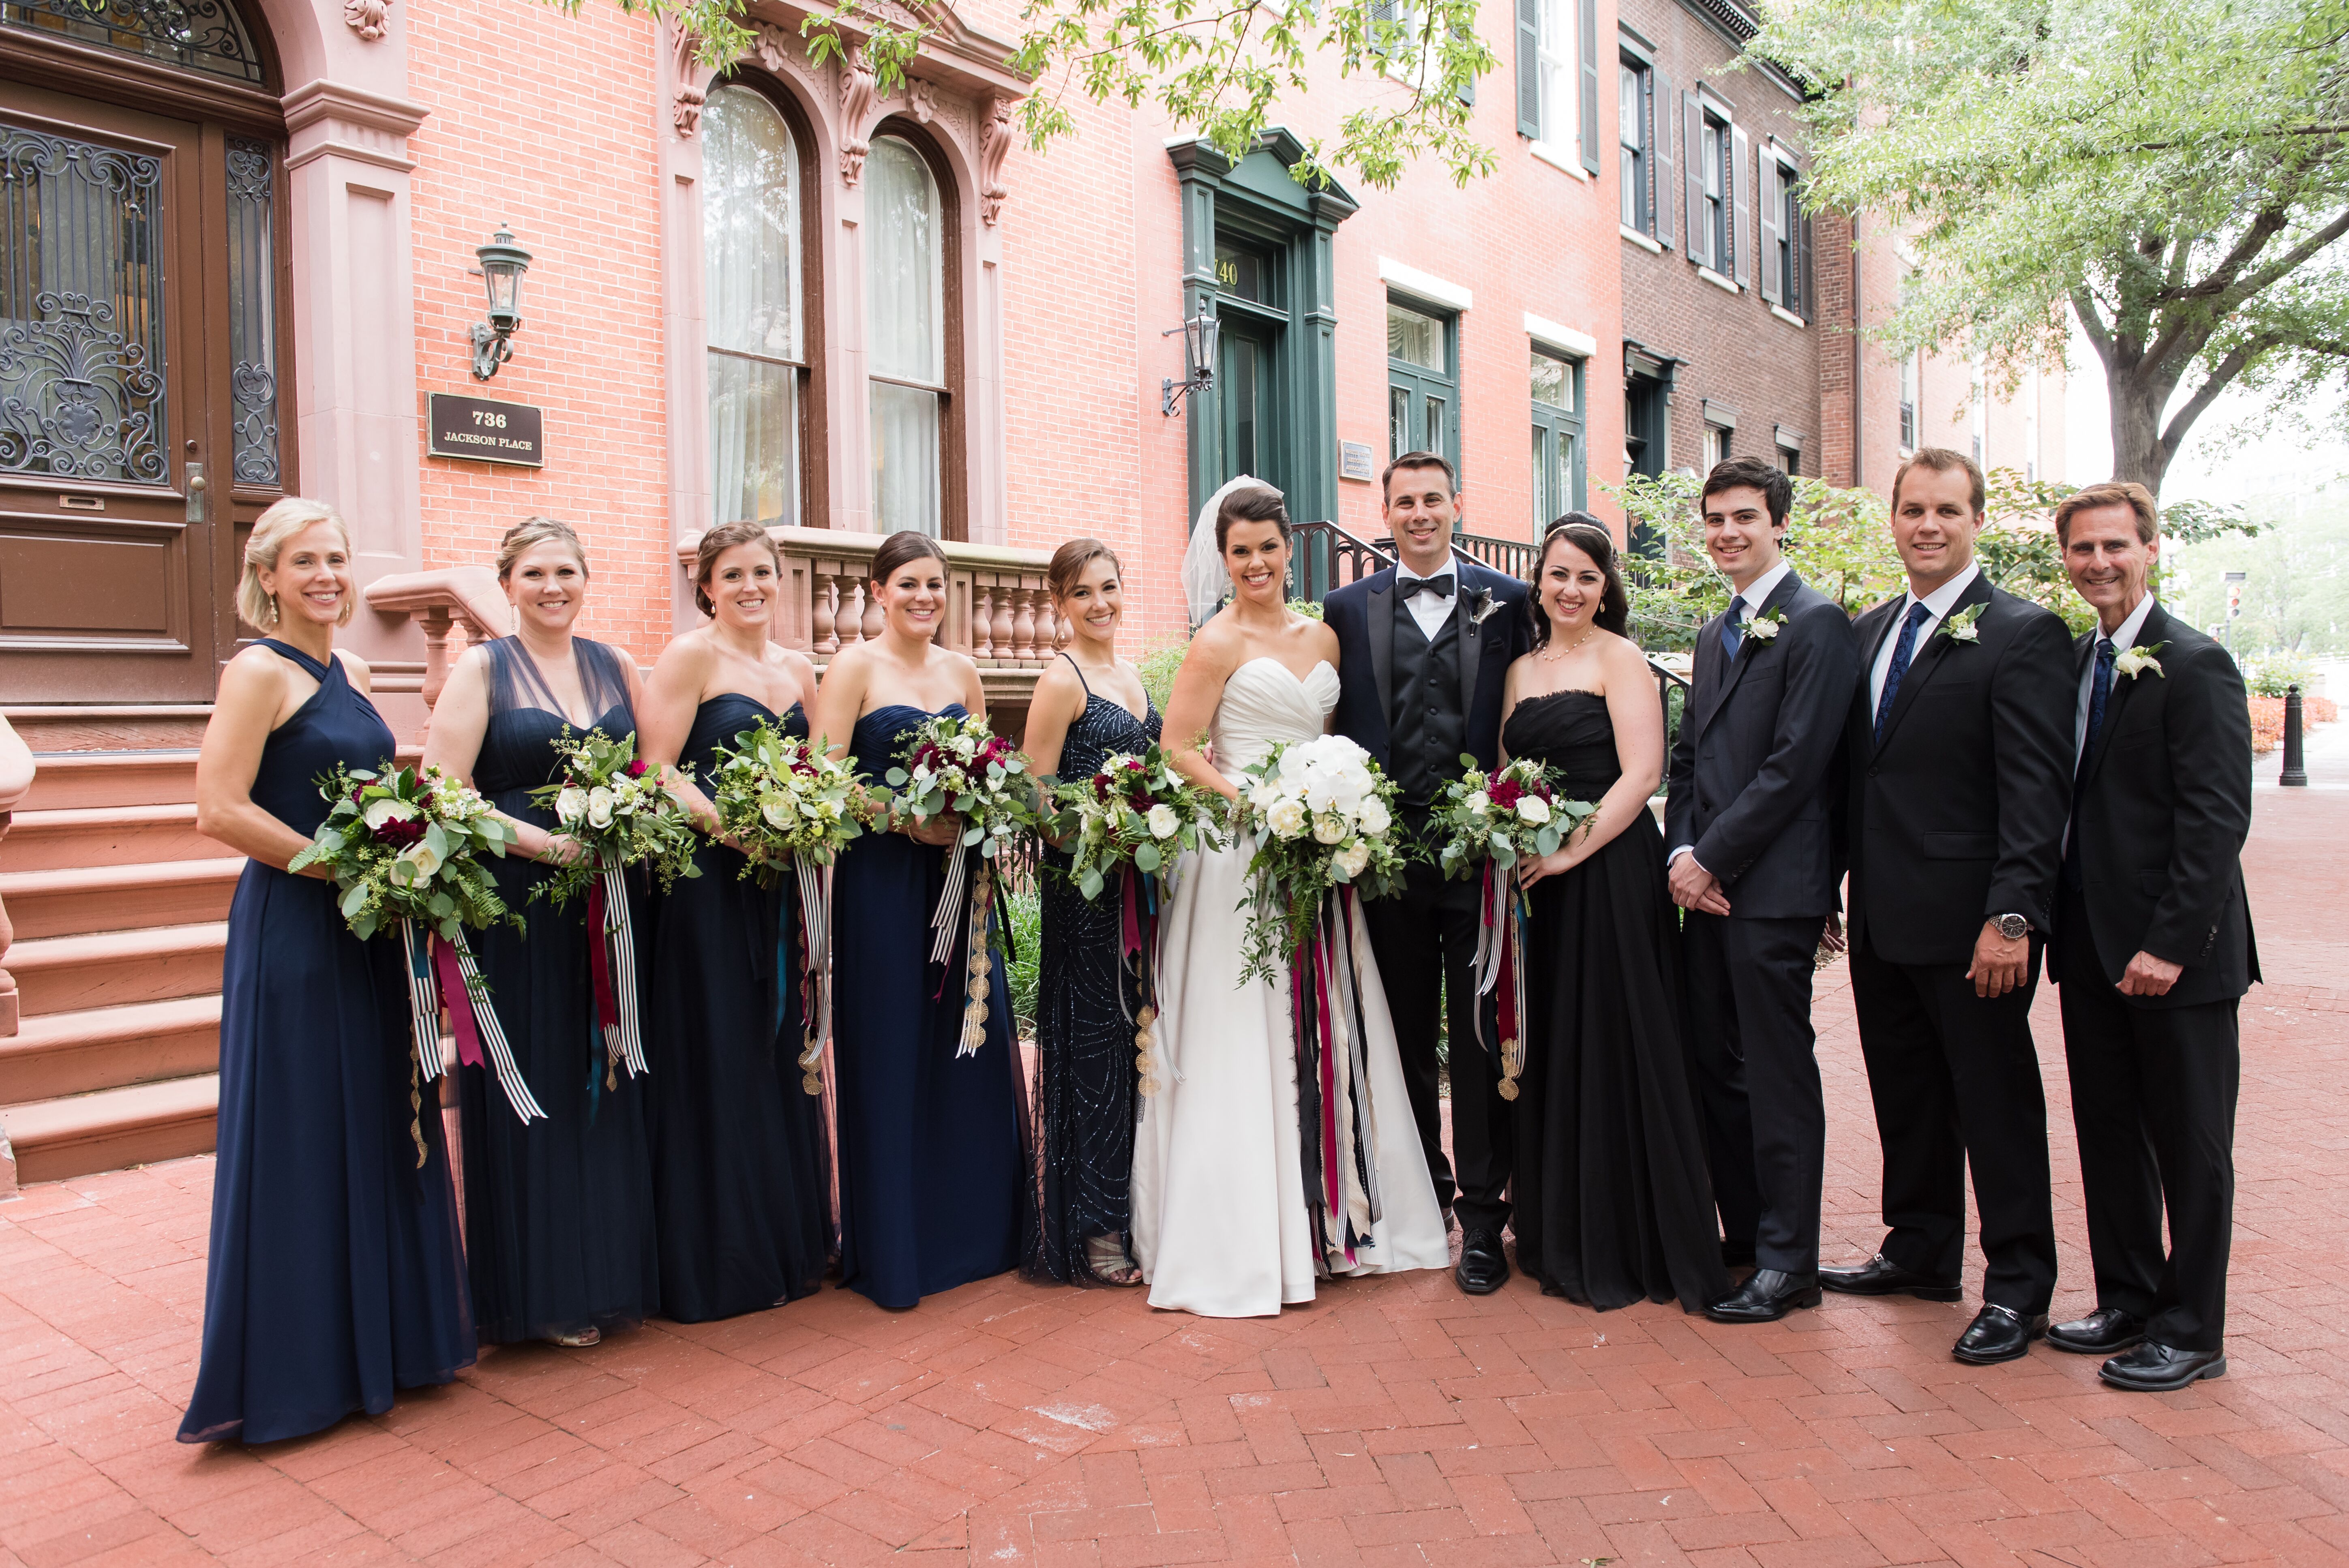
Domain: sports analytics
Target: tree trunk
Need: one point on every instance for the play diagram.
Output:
(2138, 451)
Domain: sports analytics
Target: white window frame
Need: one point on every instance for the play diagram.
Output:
(1561, 68)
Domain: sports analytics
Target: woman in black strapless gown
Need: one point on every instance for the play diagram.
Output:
(742, 1177)
(1613, 1201)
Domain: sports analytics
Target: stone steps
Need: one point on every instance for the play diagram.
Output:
(104, 836)
(95, 900)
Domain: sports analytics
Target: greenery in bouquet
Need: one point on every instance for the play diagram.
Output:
(1323, 817)
(1135, 811)
(617, 811)
(405, 844)
(782, 798)
(1510, 814)
(961, 766)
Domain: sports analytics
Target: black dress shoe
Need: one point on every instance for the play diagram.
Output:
(2101, 1332)
(1769, 1295)
(1483, 1270)
(2153, 1368)
(1998, 1333)
(1881, 1276)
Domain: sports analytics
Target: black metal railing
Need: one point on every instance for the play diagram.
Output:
(1511, 557)
(1673, 691)
(1325, 558)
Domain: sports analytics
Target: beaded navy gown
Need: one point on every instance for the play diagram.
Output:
(1086, 997)
(335, 1276)
(558, 1214)
(1613, 1201)
(741, 1181)
(931, 1164)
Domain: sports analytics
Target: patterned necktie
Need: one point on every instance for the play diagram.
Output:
(1902, 652)
(1733, 627)
(2100, 692)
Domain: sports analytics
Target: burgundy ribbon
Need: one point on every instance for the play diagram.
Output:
(599, 959)
(459, 999)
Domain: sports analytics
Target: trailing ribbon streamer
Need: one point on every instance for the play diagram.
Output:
(943, 920)
(424, 1028)
(981, 965)
(1139, 934)
(1335, 1130)
(612, 960)
(815, 983)
(476, 1025)
(1500, 966)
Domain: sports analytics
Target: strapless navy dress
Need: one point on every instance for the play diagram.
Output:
(931, 1161)
(741, 1183)
(335, 1276)
(558, 1214)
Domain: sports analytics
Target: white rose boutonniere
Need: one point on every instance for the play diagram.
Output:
(2135, 662)
(1767, 625)
(1958, 624)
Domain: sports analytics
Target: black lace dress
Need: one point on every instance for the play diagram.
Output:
(1084, 1101)
(1614, 1203)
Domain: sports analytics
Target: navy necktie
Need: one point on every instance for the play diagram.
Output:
(1732, 628)
(2100, 692)
(1902, 652)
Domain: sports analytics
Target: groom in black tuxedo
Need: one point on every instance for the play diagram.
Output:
(1748, 820)
(1423, 649)
(1960, 742)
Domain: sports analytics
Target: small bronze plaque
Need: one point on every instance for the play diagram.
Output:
(485, 431)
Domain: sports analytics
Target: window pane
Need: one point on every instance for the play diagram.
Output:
(1414, 338)
(1432, 434)
(1542, 490)
(1243, 272)
(1626, 107)
(905, 459)
(754, 439)
(1242, 395)
(253, 310)
(904, 266)
(750, 225)
(1553, 381)
(1398, 421)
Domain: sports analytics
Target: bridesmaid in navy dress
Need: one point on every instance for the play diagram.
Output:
(931, 1168)
(1089, 705)
(741, 1179)
(334, 1277)
(559, 1213)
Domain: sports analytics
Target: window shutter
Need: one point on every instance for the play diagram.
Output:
(1766, 186)
(1802, 304)
(1741, 221)
(1589, 9)
(1700, 242)
(1529, 106)
(1663, 187)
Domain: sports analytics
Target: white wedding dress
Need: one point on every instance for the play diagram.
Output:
(1219, 1220)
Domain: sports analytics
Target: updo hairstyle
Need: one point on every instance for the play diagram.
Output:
(536, 531)
(1589, 535)
(901, 547)
(1251, 503)
(1069, 563)
(717, 543)
(285, 520)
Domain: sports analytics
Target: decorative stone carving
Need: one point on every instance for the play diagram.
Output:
(370, 19)
(685, 60)
(923, 98)
(857, 95)
(995, 143)
(773, 48)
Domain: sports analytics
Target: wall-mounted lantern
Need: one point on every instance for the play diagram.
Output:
(1200, 333)
(502, 264)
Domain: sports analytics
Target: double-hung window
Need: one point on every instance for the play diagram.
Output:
(1423, 382)
(1558, 476)
(1785, 236)
(906, 336)
(1720, 188)
(758, 333)
(1632, 143)
(1559, 80)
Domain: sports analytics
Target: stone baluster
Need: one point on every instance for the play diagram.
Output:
(437, 625)
(982, 624)
(1001, 641)
(851, 619)
(1023, 626)
(1048, 627)
(872, 617)
(823, 599)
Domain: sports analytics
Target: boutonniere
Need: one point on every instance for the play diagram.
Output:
(1958, 624)
(1481, 603)
(1766, 624)
(2135, 662)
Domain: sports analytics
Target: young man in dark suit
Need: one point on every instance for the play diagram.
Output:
(1423, 649)
(1960, 773)
(1748, 822)
(2153, 952)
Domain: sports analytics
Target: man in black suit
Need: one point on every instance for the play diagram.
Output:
(1959, 783)
(1748, 822)
(1423, 649)
(2153, 952)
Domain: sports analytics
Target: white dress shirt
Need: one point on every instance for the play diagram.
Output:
(1937, 604)
(2122, 641)
(1430, 610)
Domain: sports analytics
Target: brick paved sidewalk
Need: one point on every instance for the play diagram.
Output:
(1394, 1421)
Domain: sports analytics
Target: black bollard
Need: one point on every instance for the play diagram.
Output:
(2295, 769)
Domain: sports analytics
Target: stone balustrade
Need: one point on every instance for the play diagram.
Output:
(440, 601)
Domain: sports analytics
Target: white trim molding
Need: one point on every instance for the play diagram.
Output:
(1565, 339)
(1717, 281)
(1789, 316)
(1562, 157)
(1639, 239)
(1425, 285)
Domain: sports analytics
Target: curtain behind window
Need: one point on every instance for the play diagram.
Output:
(750, 250)
(904, 309)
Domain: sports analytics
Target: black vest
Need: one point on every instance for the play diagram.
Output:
(1428, 731)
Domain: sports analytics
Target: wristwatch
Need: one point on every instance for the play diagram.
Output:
(2013, 927)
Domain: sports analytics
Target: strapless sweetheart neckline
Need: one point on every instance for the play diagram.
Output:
(1267, 659)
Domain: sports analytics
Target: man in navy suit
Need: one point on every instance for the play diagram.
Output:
(1752, 787)
(1423, 649)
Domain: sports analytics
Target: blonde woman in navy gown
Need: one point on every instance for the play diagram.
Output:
(741, 1187)
(335, 1277)
(931, 1168)
(558, 1214)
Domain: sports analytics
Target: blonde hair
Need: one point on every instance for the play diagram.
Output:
(534, 531)
(285, 520)
(717, 543)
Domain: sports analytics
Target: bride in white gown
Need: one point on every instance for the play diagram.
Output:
(1220, 1223)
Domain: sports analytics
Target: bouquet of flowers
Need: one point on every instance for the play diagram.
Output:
(1487, 823)
(404, 847)
(617, 811)
(959, 765)
(1321, 813)
(1136, 813)
(790, 804)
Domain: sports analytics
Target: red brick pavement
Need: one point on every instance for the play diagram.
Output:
(1392, 1421)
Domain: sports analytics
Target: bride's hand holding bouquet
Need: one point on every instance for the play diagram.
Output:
(1324, 819)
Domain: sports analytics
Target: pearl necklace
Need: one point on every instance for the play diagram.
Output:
(1551, 655)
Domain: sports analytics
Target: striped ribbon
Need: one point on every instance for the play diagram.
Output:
(476, 1025)
(815, 996)
(612, 960)
(1499, 966)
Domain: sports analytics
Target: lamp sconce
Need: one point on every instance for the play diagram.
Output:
(503, 262)
(1200, 333)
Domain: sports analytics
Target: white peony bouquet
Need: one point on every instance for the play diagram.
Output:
(1322, 815)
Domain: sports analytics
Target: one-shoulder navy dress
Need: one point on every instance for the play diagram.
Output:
(741, 1179)
(930, 1143)
(335, 1276)
(558, 1214)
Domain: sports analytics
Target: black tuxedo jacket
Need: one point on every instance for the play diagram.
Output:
(1752, 777)
(2166, 803)
(1959, 815)
(1363, 614)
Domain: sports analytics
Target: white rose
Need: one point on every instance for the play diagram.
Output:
(1478, 804)
(1286, 818)
(1328, 828)
(416, 863)
(599, 807)
(776, 807)
(1373, 816)
(570, 805)
(965, 748)
(1532, 808)
(379, 812)
(1163, 821)
(1352, 858)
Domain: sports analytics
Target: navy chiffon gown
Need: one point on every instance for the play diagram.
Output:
(334, 1277)
(741, 1179)
(931, 1161)
(558, 1214)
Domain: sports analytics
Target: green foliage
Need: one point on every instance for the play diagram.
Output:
(2294, 554)
(2277, 674)
(1022, 910)
(1158, 666)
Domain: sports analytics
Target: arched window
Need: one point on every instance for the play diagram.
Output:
(755, 307)
(907, 333)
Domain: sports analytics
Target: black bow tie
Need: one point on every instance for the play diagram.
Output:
(1439, 586)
